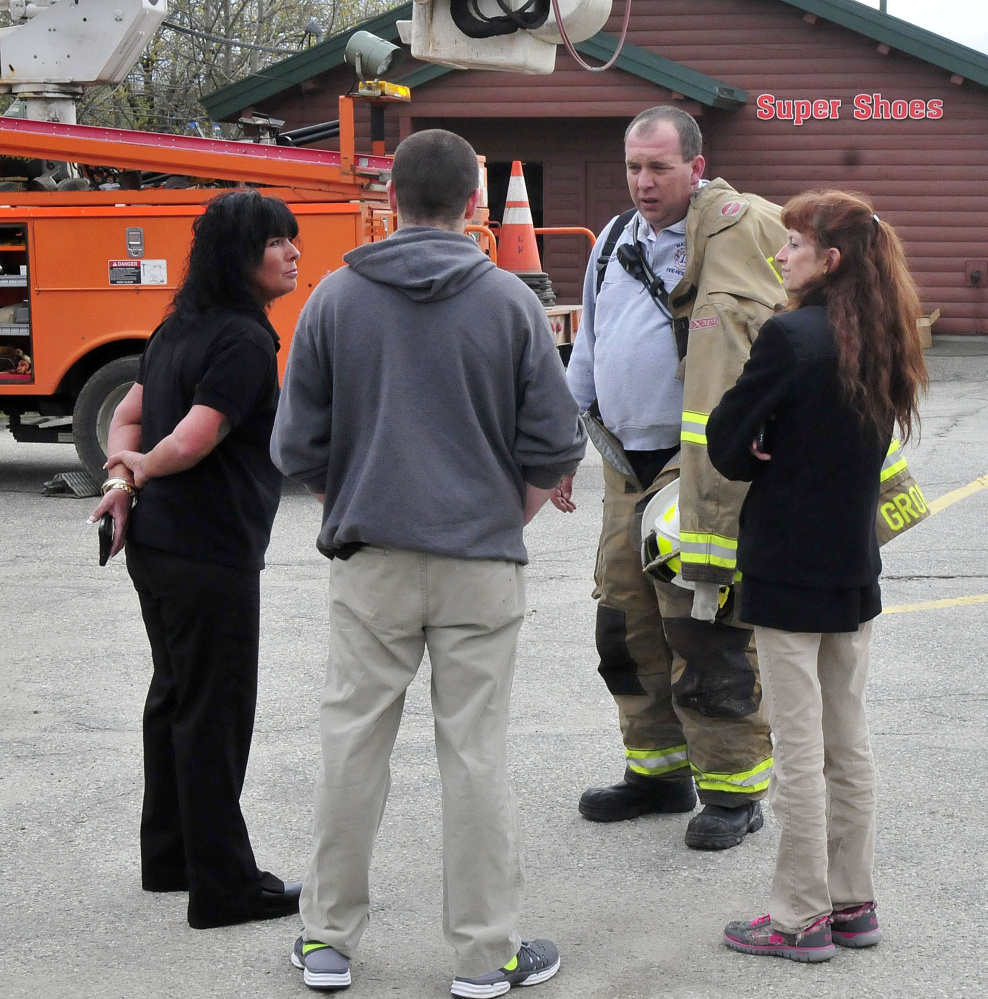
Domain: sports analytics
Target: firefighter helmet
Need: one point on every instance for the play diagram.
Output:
(660, 537)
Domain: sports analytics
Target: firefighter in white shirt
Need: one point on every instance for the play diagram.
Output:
(674, 295)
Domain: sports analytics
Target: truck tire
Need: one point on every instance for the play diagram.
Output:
(94, 408)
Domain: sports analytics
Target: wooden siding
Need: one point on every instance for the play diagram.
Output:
(928, 177)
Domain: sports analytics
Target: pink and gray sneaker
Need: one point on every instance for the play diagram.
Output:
(856, 926)
(760, 937)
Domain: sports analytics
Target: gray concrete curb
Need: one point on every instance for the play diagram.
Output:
(957, 359)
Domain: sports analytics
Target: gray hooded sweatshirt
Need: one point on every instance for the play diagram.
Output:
(423, 390)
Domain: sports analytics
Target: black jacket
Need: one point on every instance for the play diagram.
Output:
(809, 516)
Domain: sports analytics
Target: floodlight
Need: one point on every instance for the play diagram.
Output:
(371, 56)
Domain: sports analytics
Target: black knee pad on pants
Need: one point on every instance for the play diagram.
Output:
(618, 669)
(718, 681)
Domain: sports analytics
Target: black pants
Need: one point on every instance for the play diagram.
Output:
(202, 621)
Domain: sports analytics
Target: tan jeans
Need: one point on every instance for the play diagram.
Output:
(386, 608)
(823, 783)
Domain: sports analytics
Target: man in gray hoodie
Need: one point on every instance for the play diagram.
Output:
(425, 406)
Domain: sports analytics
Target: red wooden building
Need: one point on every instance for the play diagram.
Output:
(790, 94)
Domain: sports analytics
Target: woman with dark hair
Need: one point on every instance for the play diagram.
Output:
(809, 424)
(191, 438)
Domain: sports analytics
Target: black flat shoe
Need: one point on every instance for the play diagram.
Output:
(278, 898)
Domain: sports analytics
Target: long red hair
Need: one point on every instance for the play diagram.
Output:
(871, 303)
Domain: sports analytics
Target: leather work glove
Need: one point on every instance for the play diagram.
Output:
(706, 601)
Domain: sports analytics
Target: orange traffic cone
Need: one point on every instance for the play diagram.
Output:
(517, 250)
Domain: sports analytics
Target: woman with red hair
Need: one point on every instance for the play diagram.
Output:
(809, 423)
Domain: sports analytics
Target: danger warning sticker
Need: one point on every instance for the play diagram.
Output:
(147, 272)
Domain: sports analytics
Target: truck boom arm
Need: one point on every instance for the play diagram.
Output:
(221, 159)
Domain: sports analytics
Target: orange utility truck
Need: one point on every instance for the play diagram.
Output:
(86, 276)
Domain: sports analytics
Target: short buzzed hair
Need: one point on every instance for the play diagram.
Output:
(433, 175)
(690, 139)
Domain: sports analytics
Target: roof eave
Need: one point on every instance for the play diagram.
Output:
(957, 59)
(232, 99)
(664, 72)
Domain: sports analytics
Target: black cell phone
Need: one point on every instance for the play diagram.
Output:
(760, 439)
(105, 537)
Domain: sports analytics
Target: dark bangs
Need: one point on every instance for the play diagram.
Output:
(275, 218)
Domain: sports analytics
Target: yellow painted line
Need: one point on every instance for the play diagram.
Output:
(981, 598)
(941, 503)
(958, 494)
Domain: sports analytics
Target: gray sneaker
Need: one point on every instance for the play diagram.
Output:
(537, 961)
(322, 966)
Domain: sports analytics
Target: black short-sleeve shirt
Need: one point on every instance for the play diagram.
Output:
(220, 510)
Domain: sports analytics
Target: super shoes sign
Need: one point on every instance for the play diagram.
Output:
(864, 107)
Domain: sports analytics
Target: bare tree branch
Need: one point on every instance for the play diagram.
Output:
(208, 44)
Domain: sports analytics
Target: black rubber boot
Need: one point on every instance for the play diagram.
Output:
(720, 828)
(637, 795)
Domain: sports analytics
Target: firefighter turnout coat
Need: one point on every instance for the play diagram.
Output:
(729, 288)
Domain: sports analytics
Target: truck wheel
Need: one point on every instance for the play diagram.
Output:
(94, 408)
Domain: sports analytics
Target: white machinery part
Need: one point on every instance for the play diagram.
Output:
(434, 37)
(62, 47)
(582, 19)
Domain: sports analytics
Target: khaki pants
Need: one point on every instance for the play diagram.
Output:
(666, 672)
(823, 786)
(387, 607)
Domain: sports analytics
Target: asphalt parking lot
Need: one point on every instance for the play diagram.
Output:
(636, 914)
